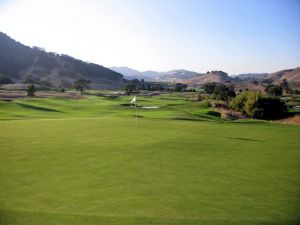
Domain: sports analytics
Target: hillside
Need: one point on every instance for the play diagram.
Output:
(149, 75)
(21, 62)
(178, 75)
(131, 74)
(126, 71)
(250, 76)
(213, 76)
(291, 75)
(244, 81)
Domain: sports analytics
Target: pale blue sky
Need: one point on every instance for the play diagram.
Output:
(236, 36)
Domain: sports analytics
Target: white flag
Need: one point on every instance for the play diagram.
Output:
(133, 100)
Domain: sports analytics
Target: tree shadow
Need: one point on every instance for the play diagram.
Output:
(111, 97)
(244, 139)
(39, 108)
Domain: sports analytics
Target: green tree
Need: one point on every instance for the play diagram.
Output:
(62, 88)
(274, 90)
(285, 85)
(179, 87)
(31, 90)
(250, 105)
(209, 88)
(224, 92)
(81, 84)
(238, 103)
(129, 88)
(270, 108)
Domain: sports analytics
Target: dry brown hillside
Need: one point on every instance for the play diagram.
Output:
(248, 86)
(31, 64)
(208, 78)
(291, 75)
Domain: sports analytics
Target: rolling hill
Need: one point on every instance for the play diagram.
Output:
(21, 62)
(291, 75)
(213, 76)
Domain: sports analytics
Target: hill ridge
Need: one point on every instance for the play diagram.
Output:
(21, 62)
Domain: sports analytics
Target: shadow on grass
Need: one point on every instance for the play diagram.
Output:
(111, 97)
(39, 108)
(138, 116)
(251, 121)
(244, 139)
(214, 113)
(193, 119)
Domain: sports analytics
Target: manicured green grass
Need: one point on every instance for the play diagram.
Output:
(170, 106)
(95, 165)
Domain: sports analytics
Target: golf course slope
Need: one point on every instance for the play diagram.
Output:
(70, 162)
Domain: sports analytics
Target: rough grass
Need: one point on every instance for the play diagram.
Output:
(90, 163)
(294, 120)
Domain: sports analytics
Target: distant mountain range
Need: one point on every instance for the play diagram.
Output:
(130, 74)
(195, 78)
(21, 62)
(251, 76)
(184, 75)
(181, 74)
(169, 76)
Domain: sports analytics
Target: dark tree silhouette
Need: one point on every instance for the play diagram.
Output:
(31, 90)
(81, 84)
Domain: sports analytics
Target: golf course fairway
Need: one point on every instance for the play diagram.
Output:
(114, 170)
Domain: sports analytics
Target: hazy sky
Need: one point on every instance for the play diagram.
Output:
(236, 36)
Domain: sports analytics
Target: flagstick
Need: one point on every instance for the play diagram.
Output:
(135, 114)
